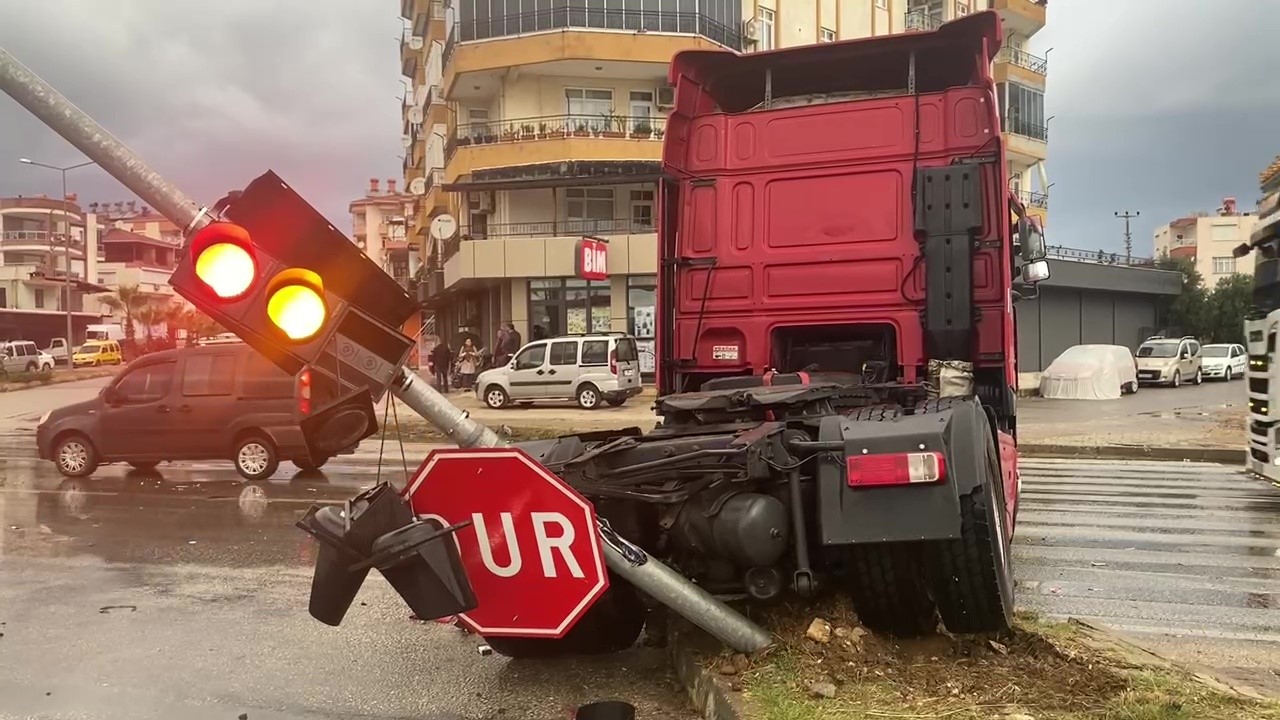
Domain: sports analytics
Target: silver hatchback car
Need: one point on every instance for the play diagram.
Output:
(591, 369)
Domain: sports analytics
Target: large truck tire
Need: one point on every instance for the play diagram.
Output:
(613, 624)
(971, 578)
(888, 584)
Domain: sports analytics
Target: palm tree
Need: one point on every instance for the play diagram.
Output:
(149, 316)
(127, 299)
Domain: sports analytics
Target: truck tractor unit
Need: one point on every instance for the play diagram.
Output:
(840, 256)
(1260, 327)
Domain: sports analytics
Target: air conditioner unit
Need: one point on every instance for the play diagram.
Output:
(666, 97)
(751, 30)
(415, 42)
(418, 186)
(406, 140)
(415, 115)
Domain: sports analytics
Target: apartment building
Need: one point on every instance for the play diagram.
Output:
(535, 124)
(41, 239)
(379, 227)
(1208, 239)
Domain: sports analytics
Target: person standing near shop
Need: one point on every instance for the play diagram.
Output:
(500, 354)
(441, 364)
(468, 362)
(514, 341)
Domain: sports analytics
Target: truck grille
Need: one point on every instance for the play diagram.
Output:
(1259, 429)
(1259, 455)
(1258, 386)
(1258, 363)
(1258, 407)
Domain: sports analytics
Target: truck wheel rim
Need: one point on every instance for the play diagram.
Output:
(495, 398)
(73, 456)
(253, 458)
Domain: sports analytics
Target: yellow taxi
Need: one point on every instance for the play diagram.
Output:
(97, 352)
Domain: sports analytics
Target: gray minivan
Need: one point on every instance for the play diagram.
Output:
(201, 403)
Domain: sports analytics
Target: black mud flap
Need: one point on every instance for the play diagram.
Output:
(848, 515)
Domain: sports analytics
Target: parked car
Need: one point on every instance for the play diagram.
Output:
(1170, 361)
(58, 351)
(199, 403)
(97, 352)
(23, 356)
(1224, 361)
(1090, 372)
(592, 368)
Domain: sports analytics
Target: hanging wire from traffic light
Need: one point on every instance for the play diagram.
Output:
(296, 305)
(223, 258)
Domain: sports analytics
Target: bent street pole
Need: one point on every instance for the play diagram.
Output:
(630, 562)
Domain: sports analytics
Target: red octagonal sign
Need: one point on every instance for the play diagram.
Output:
(533, 552)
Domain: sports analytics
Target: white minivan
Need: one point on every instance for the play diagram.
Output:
(590, 369)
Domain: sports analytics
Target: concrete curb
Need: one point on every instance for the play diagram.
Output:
(59, 378)
(1135, 452)
(709, 692)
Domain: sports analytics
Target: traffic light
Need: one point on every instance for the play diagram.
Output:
(273, 271)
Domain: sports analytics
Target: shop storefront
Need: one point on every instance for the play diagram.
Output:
(642, 319)
(562, 306)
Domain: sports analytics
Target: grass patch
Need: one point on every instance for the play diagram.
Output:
(1041, 670)
(19, 378)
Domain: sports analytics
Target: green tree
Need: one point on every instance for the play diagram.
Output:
(1188, 311)
(127, 299)
(1228, 304)
(150, 316)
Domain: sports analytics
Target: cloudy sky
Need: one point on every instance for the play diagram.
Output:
(1159, 106)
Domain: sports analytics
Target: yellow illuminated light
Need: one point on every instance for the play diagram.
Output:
(298, 310)
(226, 268)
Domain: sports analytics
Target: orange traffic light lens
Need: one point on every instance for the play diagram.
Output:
(298, 310)
(228, 269)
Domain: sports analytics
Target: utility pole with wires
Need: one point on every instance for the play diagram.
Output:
(1128, 236)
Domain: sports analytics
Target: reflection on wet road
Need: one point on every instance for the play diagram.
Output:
(140, 595)
(1185, 556)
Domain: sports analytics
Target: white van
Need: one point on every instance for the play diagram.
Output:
(592, 368)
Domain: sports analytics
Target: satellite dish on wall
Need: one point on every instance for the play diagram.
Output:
(418, 186)
(443, 226)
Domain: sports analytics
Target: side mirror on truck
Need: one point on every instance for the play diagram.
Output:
(1034, 265)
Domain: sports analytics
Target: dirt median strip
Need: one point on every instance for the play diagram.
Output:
(57, 378)
(1225, 455)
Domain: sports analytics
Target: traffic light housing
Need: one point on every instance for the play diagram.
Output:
(273, 271)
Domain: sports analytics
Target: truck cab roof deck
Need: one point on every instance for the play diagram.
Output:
(958, 53)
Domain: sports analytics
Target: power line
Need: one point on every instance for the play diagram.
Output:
(1128, 236)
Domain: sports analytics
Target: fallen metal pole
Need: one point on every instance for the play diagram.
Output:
(626, 560)
(100, 146)
(646, 573)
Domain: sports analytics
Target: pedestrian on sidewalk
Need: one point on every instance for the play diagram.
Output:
(500, 355)
(441, 364)
(513, 340)
(468, 362)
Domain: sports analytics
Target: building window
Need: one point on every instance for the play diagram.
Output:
(481, 19)
(882, 4)
(642, 318)
(642, 211)
(1224, 265)
(589, 108)
(4, 297)
(39, 296)
(1022, 110)
(641, 110)
(768, 21)
(826, 35)
(962, 8)
(589, 210)
(1227, 232)
(559, 306)
(478, 122)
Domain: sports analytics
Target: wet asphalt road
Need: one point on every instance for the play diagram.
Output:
(135, 596)
(1185, 557)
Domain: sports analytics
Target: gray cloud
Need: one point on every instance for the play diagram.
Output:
(1161, 106)
(213, 94)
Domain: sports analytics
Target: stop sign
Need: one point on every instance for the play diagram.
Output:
(533, 552)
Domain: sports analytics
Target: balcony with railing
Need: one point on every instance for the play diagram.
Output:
(1023, 59)
(1034, 199)
(1035, 131)
(553, 138)
(653, 36)
(921, 21)
(38, 239)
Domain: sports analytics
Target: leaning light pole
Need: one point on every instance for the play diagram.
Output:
(625, 559)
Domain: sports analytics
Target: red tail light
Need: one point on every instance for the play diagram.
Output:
(896, 469)
(304, 392)
(613, 362)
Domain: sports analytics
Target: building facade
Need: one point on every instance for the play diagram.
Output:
(1208, 239)
(41, 239)
(537, 123)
